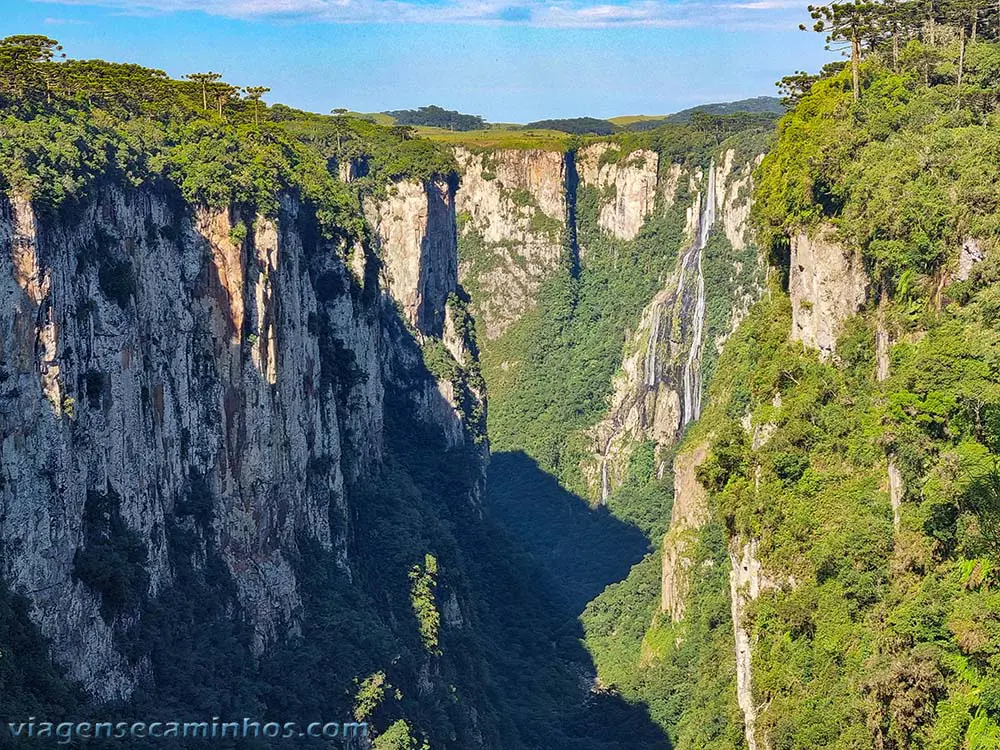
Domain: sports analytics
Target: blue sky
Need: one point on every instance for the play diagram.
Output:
(508, 60)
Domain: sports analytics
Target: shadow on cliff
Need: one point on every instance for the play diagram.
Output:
(580, 548)
(548, 554)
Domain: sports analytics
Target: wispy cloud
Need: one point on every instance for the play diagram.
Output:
(549, 13)
(65, 22)
(767, 5)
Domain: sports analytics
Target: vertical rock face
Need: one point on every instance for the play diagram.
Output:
(746, 581)
(512, 210)
(201, 370)
(628, 186)
(658, 389)
(415, 237)
(689, 513)
(826, 285)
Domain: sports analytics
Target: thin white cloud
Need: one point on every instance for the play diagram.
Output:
(767, 5)
(547, 13)
(64, 22)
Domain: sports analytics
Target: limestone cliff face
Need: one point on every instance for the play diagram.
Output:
(628, 185)
(154, 356)
(414, 231)
(827, 285)
(512, 210)
(689, 513)
(658, 389)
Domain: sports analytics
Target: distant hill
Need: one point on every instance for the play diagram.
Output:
(433, 116)
(576, 126)
(759, 104)
(762, 105)
(437, 117)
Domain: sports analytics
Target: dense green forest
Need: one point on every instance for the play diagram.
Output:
(874, 636)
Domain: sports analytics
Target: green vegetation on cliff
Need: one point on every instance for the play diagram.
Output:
(864, 634)
(66, 125)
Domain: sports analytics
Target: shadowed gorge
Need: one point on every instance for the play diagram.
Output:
(581, 549)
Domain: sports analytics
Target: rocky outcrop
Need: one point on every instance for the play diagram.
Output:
(627, 184)
(883, 342)
(827, 284)
(349, 170)
(210, 371)
(733, 202)
(414, 233)
(689, 514)
(512, 213)
(746, 581)
(972, 253)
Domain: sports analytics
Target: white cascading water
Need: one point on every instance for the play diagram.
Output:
(654, 335)
(692, 368)
(605, 484)
(605, 479)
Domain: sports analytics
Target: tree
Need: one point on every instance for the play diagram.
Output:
(255, 93)
(846, 24)
(224, 93)
(32, 47)
(795, 86)
(341, 126)
(965, 15)
(21, 57)
(402, 132)
(205, 79)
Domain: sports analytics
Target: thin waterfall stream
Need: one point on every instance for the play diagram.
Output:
(692, 368)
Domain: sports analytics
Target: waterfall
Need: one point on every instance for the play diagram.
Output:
(605, 484)
(654, 335)
(692, 368)
(605, 478)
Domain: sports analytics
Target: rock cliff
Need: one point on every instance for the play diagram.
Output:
(658, 389)
(689, 513)
(512, 212)
(414, 231)
(171, 369)
(827, 284)
(628, 183)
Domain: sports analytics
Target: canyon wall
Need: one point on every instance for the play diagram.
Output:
(512, 213)
(169, 369)
(658, 389)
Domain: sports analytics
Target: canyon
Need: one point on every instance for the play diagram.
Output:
(226, 401)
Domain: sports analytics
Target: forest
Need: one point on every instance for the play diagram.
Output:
(883, 635)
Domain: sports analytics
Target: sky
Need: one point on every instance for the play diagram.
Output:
(507, 60)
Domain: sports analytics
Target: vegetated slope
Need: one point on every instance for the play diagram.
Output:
(838, 565)
(756, 105)
(762, 106)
